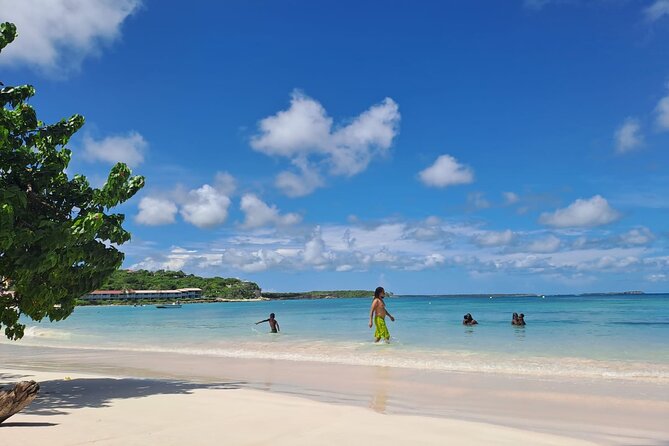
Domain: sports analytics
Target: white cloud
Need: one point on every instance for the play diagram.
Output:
(446, 171)
(594, 211)
(156, 211)
(258, 213)
(206, 207)
(660, 277)
(305, 134)
(492, 238)
(298, 185)
(662, 111)
(367, 246)
(637, 236)
(545, 245)
(225, 183)
(56, 35)
(657, 10)
(510, 197)
(476, 200)
(315, 252)
(127, 149)
(628, 136)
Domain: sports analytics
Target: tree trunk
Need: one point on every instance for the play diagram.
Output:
(15, 399)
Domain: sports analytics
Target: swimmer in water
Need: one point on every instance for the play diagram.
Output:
(273, 323)
(469, 320)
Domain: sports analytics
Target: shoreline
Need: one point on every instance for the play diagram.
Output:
(592, 410)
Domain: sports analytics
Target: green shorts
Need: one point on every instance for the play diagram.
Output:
(381, 328)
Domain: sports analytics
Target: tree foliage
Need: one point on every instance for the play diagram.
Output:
(227, 288)
(57, 237)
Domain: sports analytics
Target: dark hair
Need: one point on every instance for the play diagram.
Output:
(522, 315)
(378, 291)
(515, 314)
(271, 315)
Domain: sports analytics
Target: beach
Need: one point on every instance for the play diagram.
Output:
(110, 411)
(115, 397)
(204, 374)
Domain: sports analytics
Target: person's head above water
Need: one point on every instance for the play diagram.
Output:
(271, 315)
(379, 293)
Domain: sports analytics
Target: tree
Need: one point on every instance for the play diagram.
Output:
(57, 238)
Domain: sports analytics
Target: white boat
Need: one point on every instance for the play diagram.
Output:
(172, 305)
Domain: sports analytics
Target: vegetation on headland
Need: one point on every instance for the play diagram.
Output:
(212, 287)
(58, 237)
(337, 294)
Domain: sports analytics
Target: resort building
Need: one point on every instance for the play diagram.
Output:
(181, 293)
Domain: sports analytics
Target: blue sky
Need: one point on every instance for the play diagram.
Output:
(438, 147)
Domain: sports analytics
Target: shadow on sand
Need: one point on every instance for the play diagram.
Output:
(58, 397)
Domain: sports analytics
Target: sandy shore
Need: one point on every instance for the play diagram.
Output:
(122, 397)
(78, 409)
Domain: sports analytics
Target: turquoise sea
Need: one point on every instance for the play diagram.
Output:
(612, 337)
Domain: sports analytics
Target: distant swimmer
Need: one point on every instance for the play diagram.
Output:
(514, 319)
(468, 320)
(377, 315)
(273, 323)
(521, 319)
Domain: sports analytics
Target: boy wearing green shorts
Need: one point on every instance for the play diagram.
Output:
(377, 315)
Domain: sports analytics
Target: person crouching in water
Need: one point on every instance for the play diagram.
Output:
(273, 323)
(377, 315)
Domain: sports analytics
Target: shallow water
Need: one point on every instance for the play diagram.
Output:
(616, 337)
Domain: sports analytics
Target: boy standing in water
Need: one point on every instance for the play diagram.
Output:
(377, 314)
(273, 323)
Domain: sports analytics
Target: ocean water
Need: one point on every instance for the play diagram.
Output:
(610, 337)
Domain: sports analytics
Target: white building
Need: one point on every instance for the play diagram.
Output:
(181, 293)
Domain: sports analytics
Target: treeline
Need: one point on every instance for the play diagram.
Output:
(212, 287)
(321, 294)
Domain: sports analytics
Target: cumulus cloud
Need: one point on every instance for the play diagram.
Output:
(657, 10)
(258, 213)
(127, 149)
(206, 207)
(662, 111)
(366, 246)
(156, 211)
(637, 236)
(493, 238)
(594, 211)
(299, 184)
(315, 252)
(305, 134)
(446, 171)
(56, 35)
(628, 136)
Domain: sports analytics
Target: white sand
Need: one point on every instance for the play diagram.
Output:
(76, 409)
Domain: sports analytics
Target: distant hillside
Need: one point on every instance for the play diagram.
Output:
(227, 288)
(322, 294)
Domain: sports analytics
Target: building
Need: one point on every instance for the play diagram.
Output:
(179, 294)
